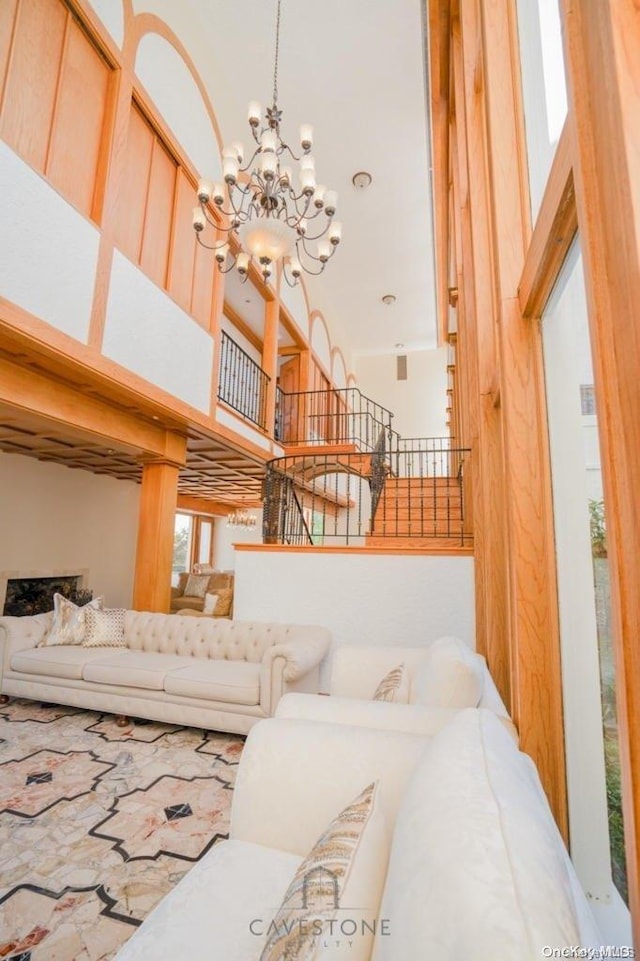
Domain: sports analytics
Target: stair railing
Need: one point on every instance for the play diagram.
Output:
(330, 417)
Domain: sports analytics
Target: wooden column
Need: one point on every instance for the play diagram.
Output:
(270, 360)
(533, 629)
(605, 107)
(154, 554)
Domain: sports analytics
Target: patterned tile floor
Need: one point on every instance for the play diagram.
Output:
(97, 823)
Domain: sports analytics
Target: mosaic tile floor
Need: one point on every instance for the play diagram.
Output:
(97, 823)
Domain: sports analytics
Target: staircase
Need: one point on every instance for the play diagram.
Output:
(349, 478)
(419, 512)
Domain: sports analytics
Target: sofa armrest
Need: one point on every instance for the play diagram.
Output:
(20, 634)
(301, 652)
(293, 663)
(175, 592)
(295, 776)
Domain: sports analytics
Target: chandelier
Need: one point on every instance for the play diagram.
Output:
(242, 518)
(265, 216)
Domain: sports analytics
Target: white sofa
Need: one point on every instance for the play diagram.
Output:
(476, 866)
(217, 674)
(461, 680)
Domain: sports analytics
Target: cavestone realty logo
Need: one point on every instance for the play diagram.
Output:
(312, 913)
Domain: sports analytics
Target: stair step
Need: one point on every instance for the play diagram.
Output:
(416, 530)
(425, 512)
(417, 504)
(401, 483)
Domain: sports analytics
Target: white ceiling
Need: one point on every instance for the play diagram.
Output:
(355, 70)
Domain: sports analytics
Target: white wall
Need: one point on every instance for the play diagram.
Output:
(48, 251)
(55, 517)
(224, 556)
(418, 403)
(362, 598)
(148, 333)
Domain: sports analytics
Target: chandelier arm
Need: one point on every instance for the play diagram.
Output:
(215, 246)
(285, 146)
(313, 256)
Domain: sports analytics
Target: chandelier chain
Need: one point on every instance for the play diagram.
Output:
(275, 64)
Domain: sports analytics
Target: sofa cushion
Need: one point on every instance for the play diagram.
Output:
(135, 670)
(236, 682)
(450, 675)
(345, 869)
(193, 603)
(104, 628)
(58, 661)
(477, 869)
(196, 585)
(220, 909)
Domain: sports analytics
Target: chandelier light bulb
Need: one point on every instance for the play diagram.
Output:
(199, 219)
(259, 209)
(306, 136)
(255, 113)
(204, 191)
(330, 202)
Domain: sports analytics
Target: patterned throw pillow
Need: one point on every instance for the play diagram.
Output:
(196, 585)
(394, 686)
(69, 621)
(346, 867)
(225, 600)
(105, 628)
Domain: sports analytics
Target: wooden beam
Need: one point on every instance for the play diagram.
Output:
(554, 231)
(533, 628)
(47, 397)
(439, 32)
(605, 107)
(200, 505)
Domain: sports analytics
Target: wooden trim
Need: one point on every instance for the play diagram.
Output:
(242, 326)
(533, 605)
(292, 328)
(605, 107)
(327, 549)
(207, 508)
(270, 362)
(554, 231)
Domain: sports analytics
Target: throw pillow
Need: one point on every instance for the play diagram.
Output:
(346, 866)
(450, 675)
(105, 628)
(210, 601)
(196, 585)
(69, 621)
(394, 686)
(225, 600)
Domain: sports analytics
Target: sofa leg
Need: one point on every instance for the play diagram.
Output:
(122, 720)
(4, 698)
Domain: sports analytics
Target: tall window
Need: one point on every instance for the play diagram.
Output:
(591, 728)
(192, 543)
(543, 88)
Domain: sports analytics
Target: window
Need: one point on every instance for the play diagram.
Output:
(544, 88)
(56, 90)
(192, 543)
(591, 727)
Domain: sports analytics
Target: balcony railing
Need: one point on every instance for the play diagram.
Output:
(333, 417)
(243, 383)
(414, 489)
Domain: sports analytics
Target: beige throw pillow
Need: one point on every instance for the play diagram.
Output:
(69, 621)
(105, 628)
(394, 686)
(196, 585)
(338, 884)
(210, 601)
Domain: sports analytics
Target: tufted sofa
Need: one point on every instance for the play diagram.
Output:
(218, 674)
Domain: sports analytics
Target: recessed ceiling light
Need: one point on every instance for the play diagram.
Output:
(362, 179)
(398, 345)
(389, 299)
(248, 300)
(154, 417)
